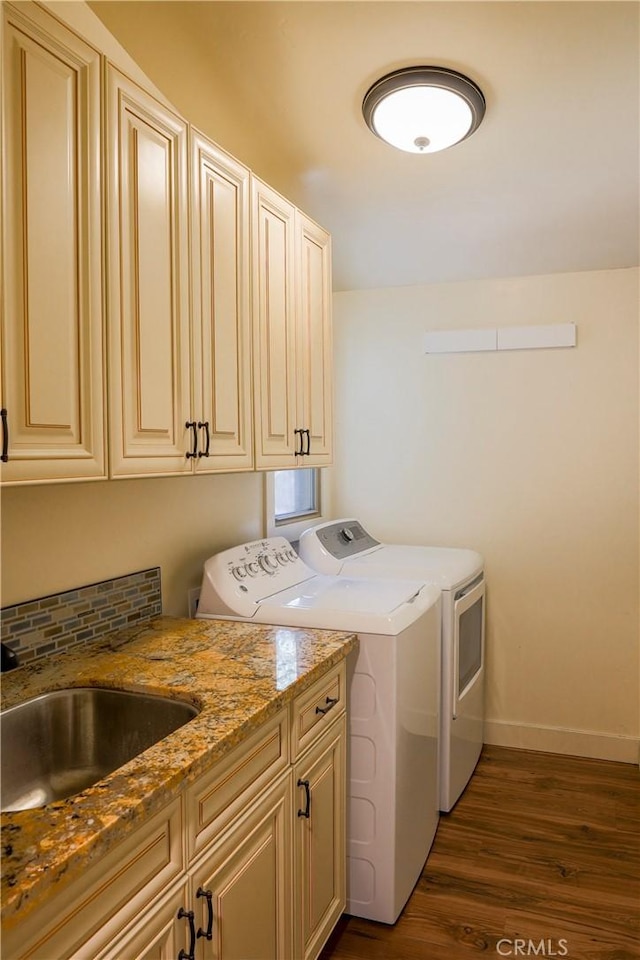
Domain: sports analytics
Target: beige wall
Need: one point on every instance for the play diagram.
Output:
(60, 536)
(188, 66)
(530, 457)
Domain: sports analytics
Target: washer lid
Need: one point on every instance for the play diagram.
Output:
(379, 598)
(345, 603)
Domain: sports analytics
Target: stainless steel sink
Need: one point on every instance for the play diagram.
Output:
(58, 744)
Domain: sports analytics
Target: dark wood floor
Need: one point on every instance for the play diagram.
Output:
(539, 848)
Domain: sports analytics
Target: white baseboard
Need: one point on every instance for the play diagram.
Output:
(576, 743)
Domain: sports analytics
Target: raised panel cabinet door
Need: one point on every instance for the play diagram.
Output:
(319, 876)
(158, 933)
(248, 877)
(314, 343)
(221, 308)
(148, 305)
(52, 316)
(274, 326)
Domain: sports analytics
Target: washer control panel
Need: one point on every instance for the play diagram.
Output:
(237, 580)
(262, 559)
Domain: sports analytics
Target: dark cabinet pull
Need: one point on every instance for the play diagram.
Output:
(192, 425)
(5, 436)
(299, 451)
(209, 931)
(307, 810)
(329, 703)
(189, 915)
(307, 452)
(204, 425)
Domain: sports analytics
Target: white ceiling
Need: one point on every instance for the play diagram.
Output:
(548, 183)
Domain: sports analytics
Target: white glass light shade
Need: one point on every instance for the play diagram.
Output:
(422, 119)
(423, 109)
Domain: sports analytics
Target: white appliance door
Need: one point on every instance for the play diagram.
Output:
(341, 603)
(344, 593)
(468, 643)
(444, 567)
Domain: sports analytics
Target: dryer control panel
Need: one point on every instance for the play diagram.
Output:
(340, 539)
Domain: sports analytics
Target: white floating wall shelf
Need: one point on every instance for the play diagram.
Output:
(501, 338)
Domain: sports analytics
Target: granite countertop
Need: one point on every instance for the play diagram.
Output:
(238, 674)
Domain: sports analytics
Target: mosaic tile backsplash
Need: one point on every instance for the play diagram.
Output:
(65, 621)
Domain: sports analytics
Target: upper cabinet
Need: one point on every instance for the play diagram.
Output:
(52, 314)
(292, 323)
(314, 348)
(148, 284)
(180, 387)
(149, 277)
(221, 307)
(275, 390)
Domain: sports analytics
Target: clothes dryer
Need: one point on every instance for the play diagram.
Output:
(392, 812)
(345, 548)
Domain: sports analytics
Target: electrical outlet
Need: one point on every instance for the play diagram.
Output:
(193, 596)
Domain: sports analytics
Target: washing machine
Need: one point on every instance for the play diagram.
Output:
(345, 548)
(392, 702)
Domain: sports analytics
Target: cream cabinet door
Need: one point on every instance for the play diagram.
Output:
(242, 889)
(221, 317)
(274, 325)
(314, 365)
(319, 875)
(148, 303)
(52, 317)
(160, 933)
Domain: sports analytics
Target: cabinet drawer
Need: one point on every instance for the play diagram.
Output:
(81, 919)
(223, 792)
(317, 707)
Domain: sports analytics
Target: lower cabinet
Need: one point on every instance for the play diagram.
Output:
(247, 863)
(319, 884)
(274, 887)
(241, 891)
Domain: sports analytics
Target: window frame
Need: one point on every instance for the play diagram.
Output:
(292, 529)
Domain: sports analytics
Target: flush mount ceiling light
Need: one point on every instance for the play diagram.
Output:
(423, 109)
